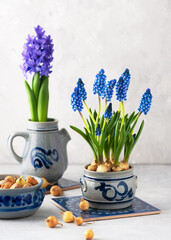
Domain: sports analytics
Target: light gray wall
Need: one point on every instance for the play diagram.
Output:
(90, 35)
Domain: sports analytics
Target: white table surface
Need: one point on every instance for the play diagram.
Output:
(154, 187)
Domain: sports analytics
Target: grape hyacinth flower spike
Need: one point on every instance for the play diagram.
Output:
(76, 100)
(83, 94)
(77, 104)
(81, 89)
(146, 101)
(126, 76)
(121, 91)
(109, 89)
(98, 130)
(108, 112)
(99, 86)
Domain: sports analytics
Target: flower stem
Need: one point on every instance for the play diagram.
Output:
(123, 114)
(119, 109)
(84, 122)
(105, 104)
(89, 112)
(97, 119)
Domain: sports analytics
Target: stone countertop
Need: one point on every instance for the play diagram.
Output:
(154, 187)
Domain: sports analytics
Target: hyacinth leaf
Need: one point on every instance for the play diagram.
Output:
(93, 144)
(112, 123)
(116, 137)
(43, 100)
(101, 121)
(92, 123)
(32, 102)
(95, 115)
(92, 126)
(89, 125)
(36, 85)
(86, 138)
(120, 145)
(138, 133)
(133, 126)
(128, 144)
(129, 120)
(131, 146)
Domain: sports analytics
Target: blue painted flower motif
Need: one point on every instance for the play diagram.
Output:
(108, 112)
(109, 89)
(81, 89)
(76, 100)
(98, 130)
(99, 86)
(122, 86)
(146, 101)
(37, 53)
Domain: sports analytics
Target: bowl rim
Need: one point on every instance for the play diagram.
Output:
(21, 190)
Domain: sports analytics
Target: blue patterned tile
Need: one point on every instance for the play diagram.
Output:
(138, 208)
(65, 184)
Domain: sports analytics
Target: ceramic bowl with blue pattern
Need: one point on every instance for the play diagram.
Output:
(109, 190)
(21, 202)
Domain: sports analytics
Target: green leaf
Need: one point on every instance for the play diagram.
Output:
(92, 126)
(102, 121)
(120, 145)
(127, 155)
(36, 85)
(95, 115)
(129, 121)
(116, 137)
(32, 102)
(43, 100)
(138, 133)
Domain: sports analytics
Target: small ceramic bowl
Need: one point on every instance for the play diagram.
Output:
(21, 202)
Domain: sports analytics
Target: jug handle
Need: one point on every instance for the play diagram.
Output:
(25, 135)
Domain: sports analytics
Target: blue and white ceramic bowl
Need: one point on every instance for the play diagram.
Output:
(21, 202)
(109, 190)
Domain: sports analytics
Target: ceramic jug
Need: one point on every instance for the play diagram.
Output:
(45, 153)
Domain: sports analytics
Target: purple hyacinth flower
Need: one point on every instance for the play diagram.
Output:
(76, 100)
(146, 101)
(37, 53)
(99, 86)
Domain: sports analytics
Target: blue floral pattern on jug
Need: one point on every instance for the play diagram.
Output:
(105, 188)
(40, 157)
(23, 200)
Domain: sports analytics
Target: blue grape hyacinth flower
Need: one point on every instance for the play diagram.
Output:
(121, 90)
(108, 112)
(81, 89)
(37, 53)
(122, 86)
(98, 130)
(76, 100)
(146, 101)
(99, 86)
(126, 76)
(109, 89)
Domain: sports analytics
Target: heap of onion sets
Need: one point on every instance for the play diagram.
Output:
(112, 132)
